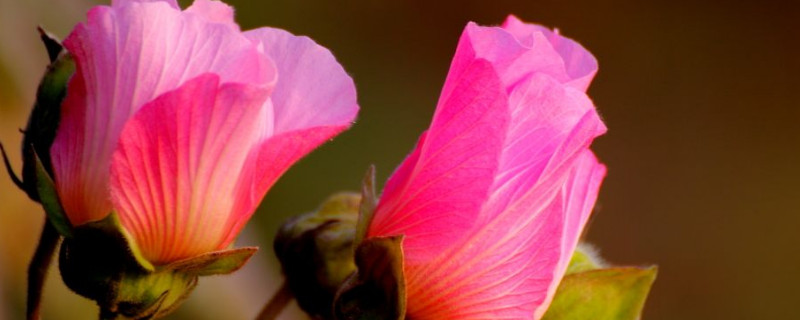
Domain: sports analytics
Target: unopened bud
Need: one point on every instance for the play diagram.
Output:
(316, 252)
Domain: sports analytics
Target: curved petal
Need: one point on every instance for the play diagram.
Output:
(266, 163)
(314, 90)
(171, 3)
(512, 60)
(581, 66)
(509, 263)
(580, 193)
(214, 11)
(127, 55)
(440, 198)
(551, 124)
(174, 174)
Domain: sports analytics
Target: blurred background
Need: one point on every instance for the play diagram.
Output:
(701, 98)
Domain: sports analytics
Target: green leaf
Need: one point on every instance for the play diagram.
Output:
(377, 290)
(214, 263)
(49, 199)
(602, 294)
(368, 203)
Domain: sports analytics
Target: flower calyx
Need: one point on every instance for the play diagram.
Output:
(100, 262)
(591, 290)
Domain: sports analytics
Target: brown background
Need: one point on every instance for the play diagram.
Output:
(701, 99)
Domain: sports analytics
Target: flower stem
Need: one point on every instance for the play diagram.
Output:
(37, 269)
(278, 302)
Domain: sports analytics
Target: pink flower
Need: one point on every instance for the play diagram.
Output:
(495, 195)
(180, 122)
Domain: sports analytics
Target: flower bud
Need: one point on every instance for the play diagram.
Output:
(316, 252)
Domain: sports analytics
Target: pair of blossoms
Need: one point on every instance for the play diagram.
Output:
(176, 123)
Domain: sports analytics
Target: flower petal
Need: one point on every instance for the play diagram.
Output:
(266, 163)
(580, 193)
(453, 167)
(509, 268)
(127, 55)
(174, 174)
(551, 124)
(214, 11)
(314, 90)
(581, 66)
(508, 264)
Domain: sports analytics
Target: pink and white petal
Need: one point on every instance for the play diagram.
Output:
(172, 3)
(441, 198)
(551, 124)
(512, 60)
(313, 90)
(265, 164)
(581, 65)
(127, 55)
(174, 173)
(214, 11)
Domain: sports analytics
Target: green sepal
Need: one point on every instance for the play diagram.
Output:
(48, 197)
(377, 290)
(602, 294)
(151, 295)
(214, 263)
(101, 262)
(584, 259)
(51, 43)
(367, 208)
(40, 132)
(316, 252)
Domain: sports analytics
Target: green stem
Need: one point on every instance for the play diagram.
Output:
(37, 269)
(278, 302)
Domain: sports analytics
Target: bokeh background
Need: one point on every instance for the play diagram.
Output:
(701, 97)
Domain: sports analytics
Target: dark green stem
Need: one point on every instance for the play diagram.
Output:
(37, 269)
(276, 305)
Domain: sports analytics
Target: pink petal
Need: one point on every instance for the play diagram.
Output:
(175, 173)
(509, 263)
(581, 66)
(171, 3)
(551, 124)
(512, 60)
(266, 163)
(509, 267)
(434, 203)
(214, 11)
(127, 55)
(580, 193)
(313, 90)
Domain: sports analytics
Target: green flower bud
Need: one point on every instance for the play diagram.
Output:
(316, 252)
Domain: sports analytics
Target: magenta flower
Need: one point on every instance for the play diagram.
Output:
(179, 122)
(495, 195)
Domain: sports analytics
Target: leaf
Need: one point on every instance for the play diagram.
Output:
(49, 199)
(377, 289)
(367, 208)
(214, 263)
(602, 294)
